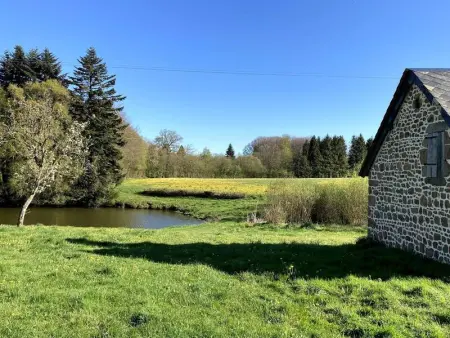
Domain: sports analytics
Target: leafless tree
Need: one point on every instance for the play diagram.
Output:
(168, 140)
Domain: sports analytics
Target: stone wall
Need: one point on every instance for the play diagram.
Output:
(406, 210)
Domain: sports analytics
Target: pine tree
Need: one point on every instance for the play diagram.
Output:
(339, 149)
(181, 151)
(230, 152)
(301, 166)
(96, 103)
(50, 67)
(357, 152)
(18, 68)
(314, 156)
(14, 68)
(326, 162)
(369, 143)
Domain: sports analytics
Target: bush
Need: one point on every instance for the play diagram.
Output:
(337, 201)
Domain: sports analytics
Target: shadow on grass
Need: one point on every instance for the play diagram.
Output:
(364, 259)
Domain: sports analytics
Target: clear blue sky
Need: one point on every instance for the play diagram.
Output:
(349, 38)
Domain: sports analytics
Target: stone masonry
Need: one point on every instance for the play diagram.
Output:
(406, 209)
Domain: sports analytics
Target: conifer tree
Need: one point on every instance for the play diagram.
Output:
(301, 166)
(50, 67)
(15, 69)
(181, 151)
(340, 163)
(314, 156)
(369, 143)
(96, 103)
(230, 152)
(19, 67)
(326, 164)
(357, 152)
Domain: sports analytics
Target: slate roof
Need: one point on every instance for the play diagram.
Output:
(437, 81)
(434, 83)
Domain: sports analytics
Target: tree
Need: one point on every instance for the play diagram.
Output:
(301, 166)
(168, 140)
(181, 151)
(206, 153)
(96, 103)
(134, 152)
(314, 156)
(326, 165)
(369, 143)
(50, 67)
(15, 68)
(49, 143)
(230, 152)
(339, 149)
(357, 152)
(250, 166)
(18, 67)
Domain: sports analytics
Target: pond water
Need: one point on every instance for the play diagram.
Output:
(100, 217)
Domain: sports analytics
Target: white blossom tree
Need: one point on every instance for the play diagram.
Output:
(49, 144)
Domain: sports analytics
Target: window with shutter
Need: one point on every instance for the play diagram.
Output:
(435, 157)
(432, 155)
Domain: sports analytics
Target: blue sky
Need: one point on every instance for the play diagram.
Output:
(343, 38)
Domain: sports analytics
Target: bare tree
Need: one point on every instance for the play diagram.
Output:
(49, 143)
(168, 140)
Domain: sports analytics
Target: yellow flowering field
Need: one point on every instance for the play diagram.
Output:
(250, 187)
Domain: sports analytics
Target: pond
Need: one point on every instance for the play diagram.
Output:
(100, 217)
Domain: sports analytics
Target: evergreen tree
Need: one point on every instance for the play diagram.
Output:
(369, 143)
(15, 68)
(314, 156)
(326, 165)
(357, 152)
(96, 103)
(50, 67)
(339, 149)
(230, 152)
(181, 151)
(18, 68)
(301, 166)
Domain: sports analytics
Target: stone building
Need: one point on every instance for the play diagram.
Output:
(408, 167)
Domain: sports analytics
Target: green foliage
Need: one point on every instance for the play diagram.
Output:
(357, 153)
(314, 156)
(230, 152)
(18, 67)
(96, 103)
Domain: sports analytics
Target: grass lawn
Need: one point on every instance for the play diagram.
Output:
(217, 279)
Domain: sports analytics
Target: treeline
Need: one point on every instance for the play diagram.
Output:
(87, 97)
(282, 156)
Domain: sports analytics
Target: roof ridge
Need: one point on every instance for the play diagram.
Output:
(429, 69)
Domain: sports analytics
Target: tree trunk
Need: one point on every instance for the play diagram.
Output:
(24, 209)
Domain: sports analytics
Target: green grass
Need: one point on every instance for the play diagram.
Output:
(215, 280)
(130, 194)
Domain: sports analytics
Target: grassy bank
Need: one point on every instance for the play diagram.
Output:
(216, 279)
(342, 201)
(131, 194)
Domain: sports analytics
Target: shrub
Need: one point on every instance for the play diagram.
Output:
(338, 201)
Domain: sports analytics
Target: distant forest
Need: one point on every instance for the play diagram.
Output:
(276, 156)
(115, 150)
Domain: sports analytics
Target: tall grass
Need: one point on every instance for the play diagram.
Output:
(337, 201)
